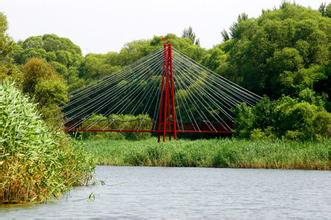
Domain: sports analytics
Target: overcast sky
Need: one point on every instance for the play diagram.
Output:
(106, 25)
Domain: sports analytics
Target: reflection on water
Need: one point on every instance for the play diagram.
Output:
(191, 193)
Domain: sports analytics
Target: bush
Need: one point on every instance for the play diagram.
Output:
(322, 123)
(299, 117)
(288, 118)
(258, 134)
(293, 135)
(36, 163)
(244, 120)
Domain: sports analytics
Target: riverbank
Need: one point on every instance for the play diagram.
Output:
(232, 153)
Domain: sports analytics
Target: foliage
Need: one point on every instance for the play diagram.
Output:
(287, 117)
(283, 51)
(234, 29)
(325, 10)
(61, 53)
(46, 87)
(225, 35)
(96, 66)
(35, 162)
(119, 122)
(245, 119)
(236, 153)
(216, 59)
(7, 69)
(188, 33)
(6, 44)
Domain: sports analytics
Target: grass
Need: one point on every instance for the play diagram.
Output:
(233, 153)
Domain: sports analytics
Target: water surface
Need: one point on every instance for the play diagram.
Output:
(191, 193)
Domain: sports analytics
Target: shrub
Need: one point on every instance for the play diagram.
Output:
(258, 134)
(322, 123)
(244, 120)
(300, 117)
(287, 117)
(36, 163)
(263, 112)
(293, 135)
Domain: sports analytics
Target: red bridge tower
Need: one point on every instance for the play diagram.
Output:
(167, 111)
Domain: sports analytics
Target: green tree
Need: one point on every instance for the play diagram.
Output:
(283, 51)
(96, 66)
(325, 10)
(46, 87)
(216, 59)
(189, 34)
(61, 53)
(225, 35)
(7, 69)
(6, 44)
(235, 29)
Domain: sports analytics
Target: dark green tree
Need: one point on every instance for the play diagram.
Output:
(225, 35)
(325, 9)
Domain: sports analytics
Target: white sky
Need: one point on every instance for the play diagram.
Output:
(106, 25)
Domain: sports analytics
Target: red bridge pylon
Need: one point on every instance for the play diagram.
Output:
(167, 112)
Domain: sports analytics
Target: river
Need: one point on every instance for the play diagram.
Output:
(191, 193)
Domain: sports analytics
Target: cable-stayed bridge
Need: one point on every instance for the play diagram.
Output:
(168, 92)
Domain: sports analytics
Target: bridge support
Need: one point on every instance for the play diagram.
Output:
(167, 112)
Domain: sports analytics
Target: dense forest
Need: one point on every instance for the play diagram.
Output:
(284, 55)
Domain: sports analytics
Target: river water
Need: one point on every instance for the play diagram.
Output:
(191, 193)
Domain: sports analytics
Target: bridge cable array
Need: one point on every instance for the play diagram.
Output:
(204, 100)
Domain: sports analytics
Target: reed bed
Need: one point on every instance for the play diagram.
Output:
(234, 153)
(36, 163)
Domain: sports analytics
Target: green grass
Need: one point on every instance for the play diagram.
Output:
(234, 153)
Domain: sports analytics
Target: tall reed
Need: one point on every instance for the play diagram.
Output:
(233, 153)
(35, 163)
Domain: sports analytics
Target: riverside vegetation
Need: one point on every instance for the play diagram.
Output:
(284, 54)
(36, 163)
(235, 153)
